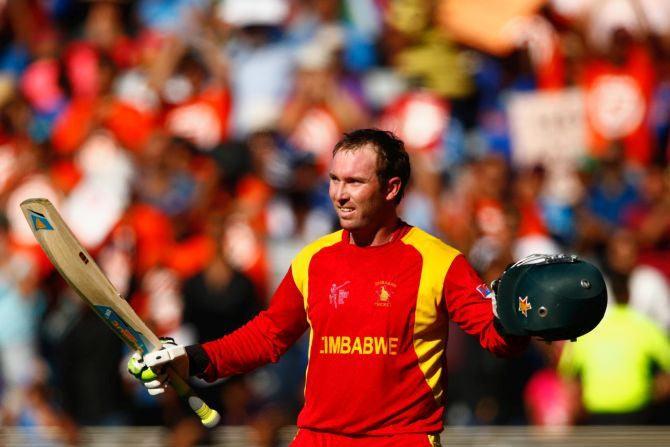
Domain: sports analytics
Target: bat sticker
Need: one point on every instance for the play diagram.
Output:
(39, 221)
(130, 335)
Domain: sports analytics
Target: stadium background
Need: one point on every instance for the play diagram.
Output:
(186, 142)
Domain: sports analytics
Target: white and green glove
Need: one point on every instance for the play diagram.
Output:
(492, 296)
(150, 369)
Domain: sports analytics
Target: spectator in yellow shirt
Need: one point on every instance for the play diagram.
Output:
(624, 364)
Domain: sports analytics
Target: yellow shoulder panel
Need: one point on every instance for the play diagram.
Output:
(300, 264)
(300, 271)
(430, 323)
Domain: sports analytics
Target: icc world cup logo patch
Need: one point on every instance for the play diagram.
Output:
(339, 293)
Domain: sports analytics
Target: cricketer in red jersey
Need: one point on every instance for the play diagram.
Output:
(376, 297)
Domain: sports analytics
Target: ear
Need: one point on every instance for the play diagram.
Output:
(393, 188)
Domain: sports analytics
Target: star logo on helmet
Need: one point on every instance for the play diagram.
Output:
(524, 306)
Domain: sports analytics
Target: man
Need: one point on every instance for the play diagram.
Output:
(377, 297)
(623, 367)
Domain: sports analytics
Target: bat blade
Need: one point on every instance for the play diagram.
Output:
(82, 273)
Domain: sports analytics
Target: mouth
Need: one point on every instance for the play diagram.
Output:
(345, 211)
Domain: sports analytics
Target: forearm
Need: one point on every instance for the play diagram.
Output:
(198, 360)
(237, 353)
(469, 305)
(255, 344)
(503, 345)
(262, 340)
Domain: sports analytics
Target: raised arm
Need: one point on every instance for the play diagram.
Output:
(466, 301)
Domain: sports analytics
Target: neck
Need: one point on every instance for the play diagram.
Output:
(382, 234)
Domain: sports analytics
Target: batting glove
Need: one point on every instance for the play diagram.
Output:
(494, 291)
(150, 369)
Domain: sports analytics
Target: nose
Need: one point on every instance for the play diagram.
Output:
(339, 192)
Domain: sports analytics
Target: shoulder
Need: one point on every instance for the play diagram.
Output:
(429, 246)
(437, 257)
(302, 259)
(643, 323)
(323, 242)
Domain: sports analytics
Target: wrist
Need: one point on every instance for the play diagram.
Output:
(499, 327)
(198, 360)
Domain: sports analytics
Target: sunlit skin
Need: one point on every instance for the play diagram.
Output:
(364, 206)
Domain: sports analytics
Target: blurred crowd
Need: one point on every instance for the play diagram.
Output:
(187, 144)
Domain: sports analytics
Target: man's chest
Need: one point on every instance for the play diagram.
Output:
(363, 295)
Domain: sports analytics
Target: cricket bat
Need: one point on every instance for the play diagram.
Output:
(82, 273)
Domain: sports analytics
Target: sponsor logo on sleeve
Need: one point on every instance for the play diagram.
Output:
(485, 291)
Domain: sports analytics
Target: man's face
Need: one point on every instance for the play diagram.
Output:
(357, 195)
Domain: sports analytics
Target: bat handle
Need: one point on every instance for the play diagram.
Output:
(208, 416)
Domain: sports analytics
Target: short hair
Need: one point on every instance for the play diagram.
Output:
(392, 158)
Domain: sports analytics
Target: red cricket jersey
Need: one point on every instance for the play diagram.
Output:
(378, 319)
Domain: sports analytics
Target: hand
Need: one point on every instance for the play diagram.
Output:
(494, 302)
(151, 369)
(154, 383)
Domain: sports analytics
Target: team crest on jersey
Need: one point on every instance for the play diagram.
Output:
(338, 294)
(384, 291)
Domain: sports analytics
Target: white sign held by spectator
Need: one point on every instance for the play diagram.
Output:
(547, 128)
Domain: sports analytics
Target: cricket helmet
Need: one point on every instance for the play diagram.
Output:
(553, 297)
